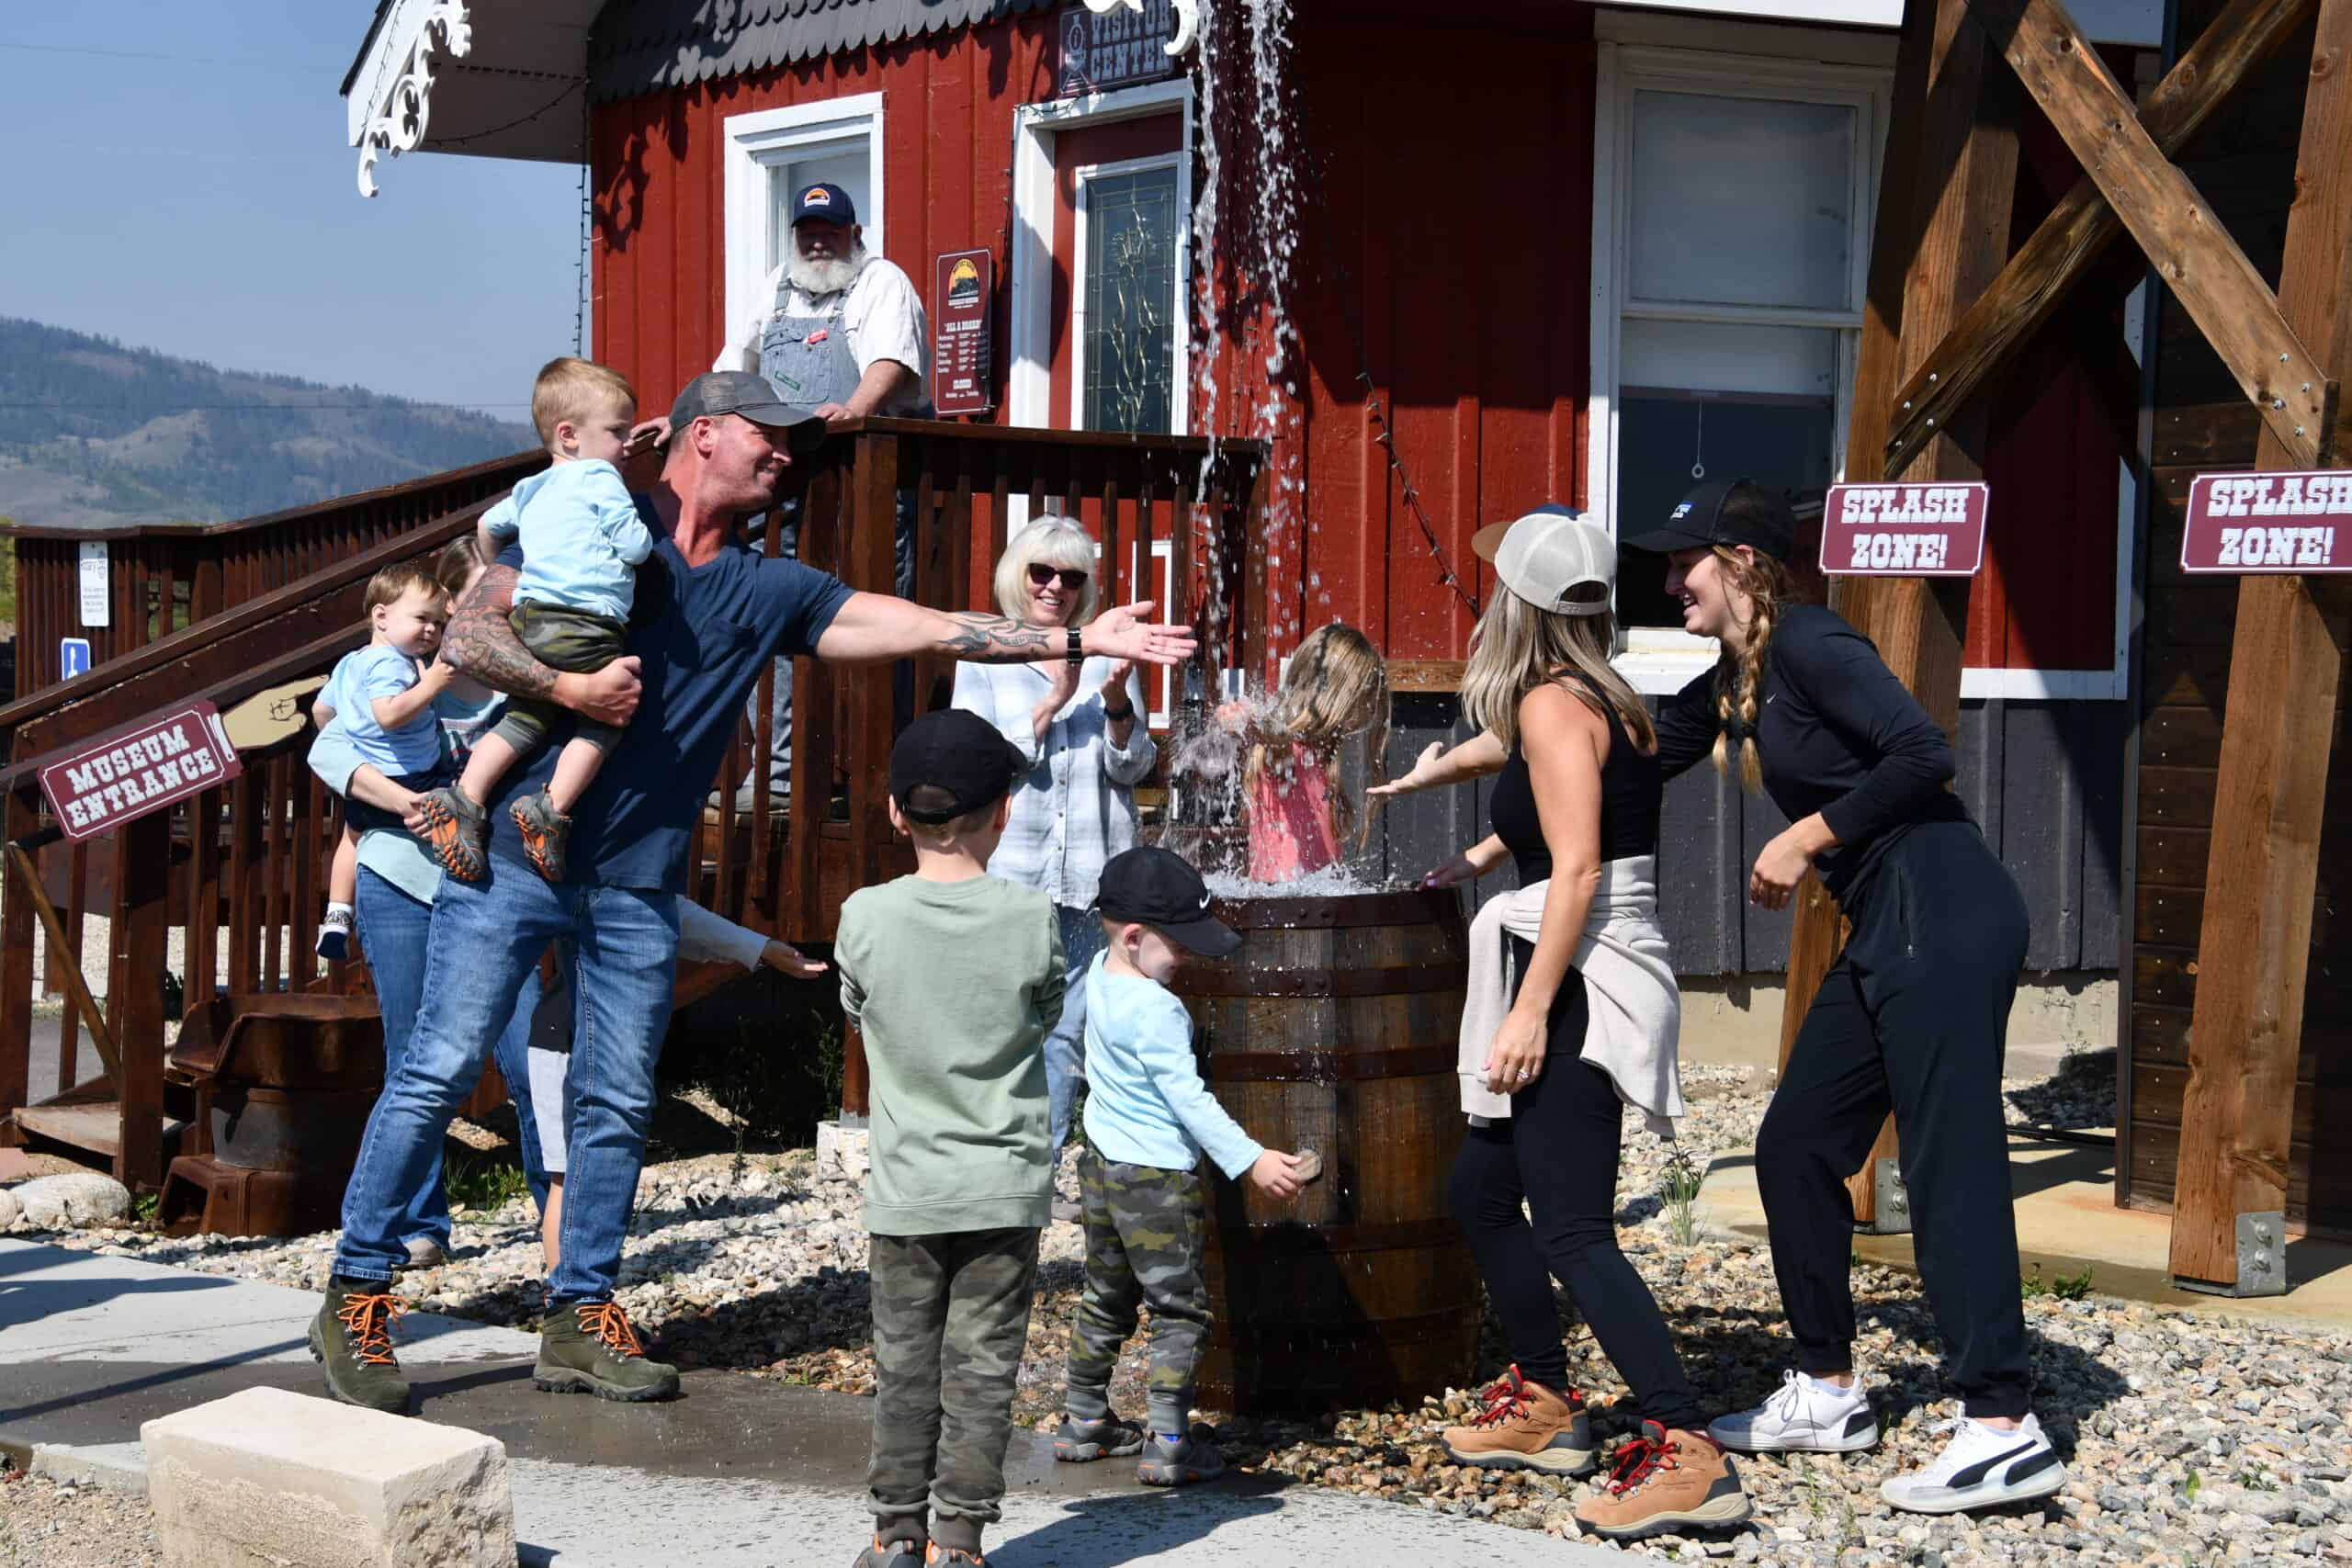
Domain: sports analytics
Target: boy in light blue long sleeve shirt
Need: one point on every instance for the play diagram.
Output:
(1148, 1119)
(582, 537)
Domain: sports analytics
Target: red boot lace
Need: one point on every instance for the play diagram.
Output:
(1640, 1460)
(1501, 1401)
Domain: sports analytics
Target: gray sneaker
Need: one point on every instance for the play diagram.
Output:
(1081, 1442)
(545, 833)
(453, 833)
(890, 1554)
(1179, 1463)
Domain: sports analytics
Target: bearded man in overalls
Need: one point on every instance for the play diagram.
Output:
(842, 332)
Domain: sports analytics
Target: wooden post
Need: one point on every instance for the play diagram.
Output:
(2286, 664)
(871, 501)
(17, 818)
(1966, 178)
(142, 862)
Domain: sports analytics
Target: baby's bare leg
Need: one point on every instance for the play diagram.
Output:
(343, 876)
(575, 770)
(485, 765)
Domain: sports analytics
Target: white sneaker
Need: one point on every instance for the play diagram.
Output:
(1806, 1414)
(1980, 1467)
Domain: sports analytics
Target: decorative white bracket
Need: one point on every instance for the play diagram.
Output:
(400, 98)
(1188, 19)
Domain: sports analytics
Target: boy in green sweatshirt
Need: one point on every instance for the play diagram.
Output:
(955, 977)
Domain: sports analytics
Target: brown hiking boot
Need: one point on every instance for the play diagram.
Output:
(1524, 1426)
(1666, 1483)
(352, 1338)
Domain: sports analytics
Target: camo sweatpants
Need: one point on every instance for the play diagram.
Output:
(1144, 1230)
(950, 1319)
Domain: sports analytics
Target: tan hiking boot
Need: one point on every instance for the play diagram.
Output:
(1524, 1426)
(1666, 1483)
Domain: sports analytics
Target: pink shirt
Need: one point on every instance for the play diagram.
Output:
(1290, 820)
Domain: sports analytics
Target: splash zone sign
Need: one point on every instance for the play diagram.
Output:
(2262, 524)
(139, 770)
(1906, 530)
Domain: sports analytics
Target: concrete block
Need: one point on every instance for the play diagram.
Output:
(111, 1467)
(266, 1478)
(841, 1152)
(56, 1202)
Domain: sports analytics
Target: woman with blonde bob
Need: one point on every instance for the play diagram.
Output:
(1571, 1012)
(1080, 726)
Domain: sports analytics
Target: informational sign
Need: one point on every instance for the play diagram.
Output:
(136, 771)
(1903, 530)
(2262, 525)
(97, 584)
(962, 289)
(1117, 47)
(73, 657)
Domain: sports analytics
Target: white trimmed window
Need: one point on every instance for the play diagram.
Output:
(771, 154)
(1732, 205)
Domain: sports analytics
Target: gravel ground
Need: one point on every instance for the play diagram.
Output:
(44, 1525)
(2190, 1439)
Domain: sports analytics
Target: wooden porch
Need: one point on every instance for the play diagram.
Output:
(225, 889)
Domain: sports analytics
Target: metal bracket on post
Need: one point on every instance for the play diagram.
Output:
(2262, 1261)
(1893, 1213)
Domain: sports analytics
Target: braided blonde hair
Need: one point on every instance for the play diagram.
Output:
(1770, 590)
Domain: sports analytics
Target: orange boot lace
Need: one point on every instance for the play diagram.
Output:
(368, 1321)
(605, 1321)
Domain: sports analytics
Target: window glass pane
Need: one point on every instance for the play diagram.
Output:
(1709, 356)
(1130, 345)
(1782, 442)
(818, 163)
(1741, 201)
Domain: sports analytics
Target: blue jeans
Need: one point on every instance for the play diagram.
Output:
(486, 942)
(392, 928)
(1065, 1046)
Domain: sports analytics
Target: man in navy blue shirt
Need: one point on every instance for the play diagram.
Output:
(709, 615)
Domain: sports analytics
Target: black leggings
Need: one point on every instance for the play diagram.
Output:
(1559, 1154)
(1911, 1018)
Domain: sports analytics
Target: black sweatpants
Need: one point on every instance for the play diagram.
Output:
(1559, 1154)
(1911, 1018)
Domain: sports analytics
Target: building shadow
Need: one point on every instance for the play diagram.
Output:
(1123, 1527)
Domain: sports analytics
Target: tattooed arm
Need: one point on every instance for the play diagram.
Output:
(479, 643)
(873, 627)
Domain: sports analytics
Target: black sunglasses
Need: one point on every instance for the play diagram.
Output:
(1041, 574)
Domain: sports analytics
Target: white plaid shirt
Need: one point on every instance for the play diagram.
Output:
(1077, 807)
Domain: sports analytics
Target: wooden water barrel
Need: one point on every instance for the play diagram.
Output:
(1333, 1028)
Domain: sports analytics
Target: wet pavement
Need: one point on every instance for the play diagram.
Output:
(741, 1470)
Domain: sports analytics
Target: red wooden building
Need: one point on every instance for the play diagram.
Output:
(1543, 250)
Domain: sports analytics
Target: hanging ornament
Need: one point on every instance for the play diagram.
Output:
(1699, 446)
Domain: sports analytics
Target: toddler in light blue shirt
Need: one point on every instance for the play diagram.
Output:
(1148, 1119)
(582, 539)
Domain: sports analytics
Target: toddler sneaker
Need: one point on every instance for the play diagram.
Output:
(1980, 1467)
(1178, 1462)
(453, 833)
(1081, 1442)
(1524, 1426)
(1806, 1414)
(1666, 1483)
(335, 936)
(890, 1554)
(545, 831)
(951, 1557)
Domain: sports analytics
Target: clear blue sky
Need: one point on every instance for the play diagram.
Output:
(175, 177)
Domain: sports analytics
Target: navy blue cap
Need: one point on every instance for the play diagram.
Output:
(828, 202)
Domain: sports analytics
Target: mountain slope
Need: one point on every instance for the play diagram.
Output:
(95, 435)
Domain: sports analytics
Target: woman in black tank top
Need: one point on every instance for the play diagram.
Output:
(1576, 807)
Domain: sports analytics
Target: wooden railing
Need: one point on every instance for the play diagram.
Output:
(239, 872)
(165, 578)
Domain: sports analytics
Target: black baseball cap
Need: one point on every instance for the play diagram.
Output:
(959, 760)
(1154, 887)
(715, 392)
(829, 203)
(1726, 512)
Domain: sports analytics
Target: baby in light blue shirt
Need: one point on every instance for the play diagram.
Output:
(583, 539)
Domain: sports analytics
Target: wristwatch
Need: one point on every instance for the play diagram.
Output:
(1077, 653)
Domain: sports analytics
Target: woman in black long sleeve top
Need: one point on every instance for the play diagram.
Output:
(1911, 1018)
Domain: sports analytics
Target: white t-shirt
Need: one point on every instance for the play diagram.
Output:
(879, 310)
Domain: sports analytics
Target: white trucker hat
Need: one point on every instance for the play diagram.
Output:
(1546, 555)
